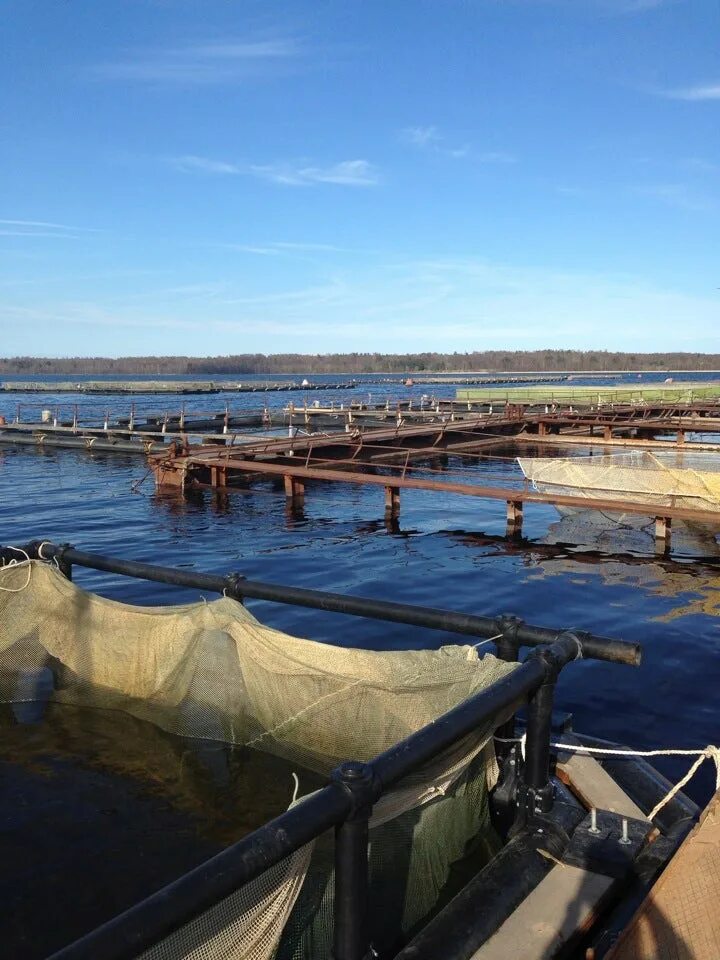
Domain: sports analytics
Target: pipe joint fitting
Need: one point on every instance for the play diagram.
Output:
(233, 586)
(359, 782)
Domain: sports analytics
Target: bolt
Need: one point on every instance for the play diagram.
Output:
(624, 839)
(593, 821)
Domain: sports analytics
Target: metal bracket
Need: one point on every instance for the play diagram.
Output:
(534, 800)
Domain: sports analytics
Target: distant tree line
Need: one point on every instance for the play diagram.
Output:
(507, 361)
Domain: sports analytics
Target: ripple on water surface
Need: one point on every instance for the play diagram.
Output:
(446, 552)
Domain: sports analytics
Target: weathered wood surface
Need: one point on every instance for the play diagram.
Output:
(680, 917)
(594, 786)
(563, 905)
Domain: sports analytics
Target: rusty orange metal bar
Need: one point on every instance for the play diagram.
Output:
(507, 494)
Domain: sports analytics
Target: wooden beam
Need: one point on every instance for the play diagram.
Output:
(392, 501)
(294, 488)
(591, 783)
(562, 906)
(663, 527)
(514, 516)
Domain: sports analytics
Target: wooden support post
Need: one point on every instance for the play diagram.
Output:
(681, 436)
(607, 433)
(514, 517)
(294, 488)
(392, 501)
(663, 527)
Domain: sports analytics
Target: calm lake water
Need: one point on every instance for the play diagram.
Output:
(583, 572)
(83, 790)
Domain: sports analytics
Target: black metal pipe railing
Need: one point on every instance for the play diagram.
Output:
(346, 802)
(594, 647)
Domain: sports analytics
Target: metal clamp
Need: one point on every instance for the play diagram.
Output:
(233, 587)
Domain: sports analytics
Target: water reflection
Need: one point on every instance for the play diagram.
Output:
(570, 551)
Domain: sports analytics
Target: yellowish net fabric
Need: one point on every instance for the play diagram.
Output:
(211, 670)
(692, 482)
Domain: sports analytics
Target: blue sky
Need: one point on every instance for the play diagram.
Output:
(230, 176)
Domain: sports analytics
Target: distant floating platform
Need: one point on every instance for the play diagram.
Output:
(673, 392)
(123, 387)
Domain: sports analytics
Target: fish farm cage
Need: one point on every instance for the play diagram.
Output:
(542, 817)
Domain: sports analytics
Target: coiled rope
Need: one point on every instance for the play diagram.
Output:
(14, 565)
(27, 563)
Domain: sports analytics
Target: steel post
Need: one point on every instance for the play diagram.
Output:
(536, 791)
(508, 649)
(351, 938)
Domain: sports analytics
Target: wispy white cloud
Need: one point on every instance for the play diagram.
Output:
(205, 63)
(191, 163)
(682, 196)
(310, 297)
(420, 136)
(94, 315)
(697, 93)
(601, 7)
(267, 251)
(433, 303)
(349, 173)
(39, 233)
(496, 156)
(633, 6)
(308, 246)
(701, 165)
(66, 278)
(275, 248)
(569, 191)
(430, 139)
(41, 228)
(40, 223)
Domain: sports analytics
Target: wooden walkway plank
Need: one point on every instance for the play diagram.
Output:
(594, 786)
(564, 904)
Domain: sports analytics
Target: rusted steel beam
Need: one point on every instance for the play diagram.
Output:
(582, 440)
(472, 490)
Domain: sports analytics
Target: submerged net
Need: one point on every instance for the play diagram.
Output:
(684, 480)
(211, 670)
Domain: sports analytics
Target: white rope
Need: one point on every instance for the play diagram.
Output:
(521, 740)
(14, 565)
(710, 752)
(54, 560)
(480, 643)
(40, 550)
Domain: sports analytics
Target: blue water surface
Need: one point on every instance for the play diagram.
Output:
(447, 551)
